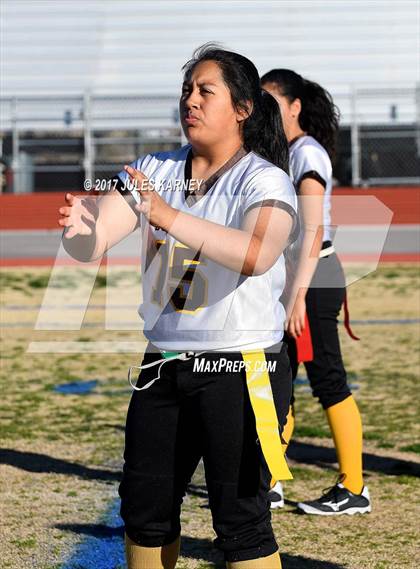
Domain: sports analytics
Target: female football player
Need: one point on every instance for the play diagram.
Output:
(215, 381)
(310, 121)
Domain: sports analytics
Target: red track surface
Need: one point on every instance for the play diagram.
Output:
(40, 211)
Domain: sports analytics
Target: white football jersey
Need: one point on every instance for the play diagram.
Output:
(308, 159)
(189, 301)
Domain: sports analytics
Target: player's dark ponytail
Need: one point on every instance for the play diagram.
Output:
(262, 130)
(319, 116)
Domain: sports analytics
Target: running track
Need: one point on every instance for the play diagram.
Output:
(30, 235)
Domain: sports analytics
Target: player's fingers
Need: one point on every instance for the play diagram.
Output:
(65, 211)
(87, 214)
(302, 323)
(291, 329)
(297, 323)
(69, 198)
(142, 207)
(73, 230)
(298, 329)
(65, 222)
(87, 230)
(135, 174)
(146, 197)
(133, 171)
(70, 232)
(145, 187)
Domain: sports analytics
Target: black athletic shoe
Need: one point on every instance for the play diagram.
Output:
(337, 501)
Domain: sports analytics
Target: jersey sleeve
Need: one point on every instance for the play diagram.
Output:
(272, 187)
(311, 162)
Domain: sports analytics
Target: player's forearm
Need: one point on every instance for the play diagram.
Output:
(311, 205)
(235, 249)
(307, 262)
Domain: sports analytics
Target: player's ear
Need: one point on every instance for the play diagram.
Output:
(295, 107)
(243, 112)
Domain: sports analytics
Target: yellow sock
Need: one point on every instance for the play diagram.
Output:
(286, 434)
(289, 426)
(139, 557)
(346, 427)
(270, 562)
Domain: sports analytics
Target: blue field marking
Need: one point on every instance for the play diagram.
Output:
(76, 387)
(88, 387)
(103, 548)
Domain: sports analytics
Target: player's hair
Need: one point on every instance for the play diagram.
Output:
(262, 130)
(319, 116)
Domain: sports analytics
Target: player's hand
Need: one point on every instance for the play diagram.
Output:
(296, 321)
(156, 210)
(79, 215)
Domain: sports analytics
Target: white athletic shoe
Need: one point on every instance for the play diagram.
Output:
(276, 496)
(338, 501)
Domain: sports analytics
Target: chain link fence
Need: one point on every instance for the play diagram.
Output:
(55, 142)
(385, 136)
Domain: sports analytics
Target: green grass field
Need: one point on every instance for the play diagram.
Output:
(61, 454)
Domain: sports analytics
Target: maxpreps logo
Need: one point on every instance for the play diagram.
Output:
(202, 365)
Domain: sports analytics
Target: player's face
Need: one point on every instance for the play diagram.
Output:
(289, 113)
(207, 113)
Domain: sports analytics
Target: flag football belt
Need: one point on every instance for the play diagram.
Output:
(262, 402)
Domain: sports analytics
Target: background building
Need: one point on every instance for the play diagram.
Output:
(88, 85)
